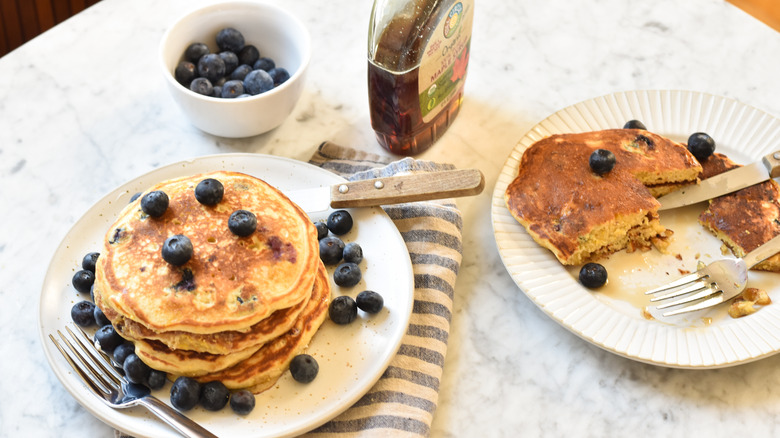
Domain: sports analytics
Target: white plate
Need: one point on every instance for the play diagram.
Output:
(611, 318)
(351, 358)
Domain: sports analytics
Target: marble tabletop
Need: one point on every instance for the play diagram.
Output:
(83, 108)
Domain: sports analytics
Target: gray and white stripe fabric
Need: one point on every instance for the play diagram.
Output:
(403, 401)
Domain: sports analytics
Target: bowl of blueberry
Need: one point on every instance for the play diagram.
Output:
(236, 69)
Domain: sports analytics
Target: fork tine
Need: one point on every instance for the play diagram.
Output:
(677, 283)
(695, 286)
(704, 293)
(83, 368)
(717, 299)
(101, 359)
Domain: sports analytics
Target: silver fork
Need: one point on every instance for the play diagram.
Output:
(112, 388)
(713, 284)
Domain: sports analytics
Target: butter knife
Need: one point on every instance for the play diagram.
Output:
(724, 183)
(390, 190)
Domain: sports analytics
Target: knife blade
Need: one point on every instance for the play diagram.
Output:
(390, 190)
(724, 183)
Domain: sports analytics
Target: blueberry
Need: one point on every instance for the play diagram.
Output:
(242, 223)
(342, 310)
(239, 74)
(279, 75)
(136, 370)
(155, 203)
(264, 64)
(353, 253)
(593, 275)
(322, 229)
(340, 222)
(232, 88)
(185, 393)
(156, 379)
(202, 86)
(211, 67)
(135, 196)
(258, 81)
(122, 352)
(83, 313)
(177, 250)
(347, 274)
(602, 161)
(248, 55)
(304, 368)
(216, 91)
(231, 40)
(634, 124)
(370, 301)
(331, 250)
(701, 145)
(83, 280)
(231, 61)
(100, 317)
(242, 402)
(209, 191)
(214, 395)
(89, 261)
(108, 338)
(195, 51)
(185, 72)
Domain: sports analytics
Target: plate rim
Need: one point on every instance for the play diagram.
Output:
(663, 335)
(104, 413)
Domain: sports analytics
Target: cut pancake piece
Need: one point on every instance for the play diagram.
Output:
(579, 215)
(231, 282)
(745, 219)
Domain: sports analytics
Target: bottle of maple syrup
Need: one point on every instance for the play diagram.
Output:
(418, 53)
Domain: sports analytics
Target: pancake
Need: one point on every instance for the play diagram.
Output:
(231, 283)
(579, 215)
(261, 370)
(193, 363)
(215, 343)
(745, 219)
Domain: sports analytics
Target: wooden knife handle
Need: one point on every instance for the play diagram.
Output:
(772, 162)
(408, 188)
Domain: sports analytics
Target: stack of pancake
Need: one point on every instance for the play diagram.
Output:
(579, 215)
(240, 309)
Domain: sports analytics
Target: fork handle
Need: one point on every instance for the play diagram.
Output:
(763, 252)
(174, 418)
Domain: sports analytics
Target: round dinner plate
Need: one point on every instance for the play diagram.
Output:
(612, 317)
(351, 358)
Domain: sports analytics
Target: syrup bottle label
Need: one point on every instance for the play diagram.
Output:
(446, 57)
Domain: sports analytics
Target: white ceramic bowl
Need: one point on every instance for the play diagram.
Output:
(274, 31)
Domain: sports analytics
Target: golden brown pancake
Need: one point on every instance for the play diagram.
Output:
(579, 215)
(745, 219)
(261, 370)
(216, 343)
(194, 363)
(231, 283)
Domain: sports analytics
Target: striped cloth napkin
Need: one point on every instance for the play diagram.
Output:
(403, 401)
